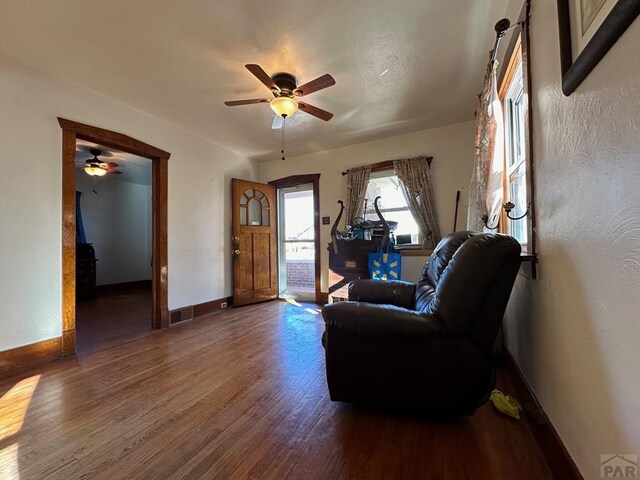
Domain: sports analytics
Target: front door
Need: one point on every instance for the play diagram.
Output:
(253, 242)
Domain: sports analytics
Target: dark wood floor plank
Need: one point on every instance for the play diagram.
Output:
(241, 394)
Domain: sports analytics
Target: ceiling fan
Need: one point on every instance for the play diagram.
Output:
(285, 91)
(97, 168)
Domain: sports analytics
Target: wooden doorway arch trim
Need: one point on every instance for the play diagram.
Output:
(71, 131)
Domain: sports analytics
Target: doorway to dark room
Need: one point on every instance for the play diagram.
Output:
(113, 246)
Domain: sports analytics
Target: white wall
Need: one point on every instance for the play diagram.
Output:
(412, 266)
(30, 211)
(451, 147)
(575, 331)
(117, 221)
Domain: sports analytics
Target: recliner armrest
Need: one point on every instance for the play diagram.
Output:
(379, 321)
(386, 292)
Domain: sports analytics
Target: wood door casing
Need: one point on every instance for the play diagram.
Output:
(255, 276)
(71, 132)
(313, 179)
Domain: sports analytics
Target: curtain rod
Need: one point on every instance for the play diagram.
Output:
(502, 27)
(385, 165)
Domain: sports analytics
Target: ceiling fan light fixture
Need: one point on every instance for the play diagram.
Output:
(284, 106)
(95, 171)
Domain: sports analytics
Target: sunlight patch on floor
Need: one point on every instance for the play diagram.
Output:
(291, 301)
(9, 462)
(14, 405)
(13, 409)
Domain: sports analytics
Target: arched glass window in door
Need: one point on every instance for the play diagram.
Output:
(254, 209)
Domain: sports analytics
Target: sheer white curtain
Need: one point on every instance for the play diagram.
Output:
(485, 190)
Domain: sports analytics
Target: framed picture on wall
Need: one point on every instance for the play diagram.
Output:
(588, 29)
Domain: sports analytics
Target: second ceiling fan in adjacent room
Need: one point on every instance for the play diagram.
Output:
(97, 167)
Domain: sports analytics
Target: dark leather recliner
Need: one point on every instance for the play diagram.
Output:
(428, 346)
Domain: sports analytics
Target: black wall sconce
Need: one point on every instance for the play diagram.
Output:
(508, 208)
(485, 219)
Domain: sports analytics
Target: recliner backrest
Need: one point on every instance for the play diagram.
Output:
(443, 253)
(467, 283)
(437, 263)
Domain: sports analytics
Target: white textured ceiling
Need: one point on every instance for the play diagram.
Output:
(134, 169)
(400, 66)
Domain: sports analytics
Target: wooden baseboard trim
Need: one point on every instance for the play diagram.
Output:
(191, 312)
(28, 355)
(68, 343)
(114, 288)
(558, 460)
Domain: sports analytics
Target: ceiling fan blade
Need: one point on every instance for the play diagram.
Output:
(114, 171)
(263, 76)
(315, 111)
(278, 121)
(110, 164)
(234, 103)
(86, 148)
(319, 83)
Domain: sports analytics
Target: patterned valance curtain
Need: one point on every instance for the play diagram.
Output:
(415, 179)
(357, 181)
(485, 190)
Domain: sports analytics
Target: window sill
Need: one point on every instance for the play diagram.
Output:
(415, 252)
(532, 260)
(526, 258)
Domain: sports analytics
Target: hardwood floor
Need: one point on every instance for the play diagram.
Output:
(116, 316)
(238, 395)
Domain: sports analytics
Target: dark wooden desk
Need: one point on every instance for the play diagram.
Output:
(350, 263)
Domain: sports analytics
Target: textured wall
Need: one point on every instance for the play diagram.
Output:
(576, 330)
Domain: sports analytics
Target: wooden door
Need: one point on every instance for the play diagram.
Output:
(254, 242)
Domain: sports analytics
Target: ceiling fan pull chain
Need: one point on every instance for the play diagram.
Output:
(284, 122)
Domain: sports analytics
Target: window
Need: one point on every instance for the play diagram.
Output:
(392, 204)
(254, 209)
(516, 174)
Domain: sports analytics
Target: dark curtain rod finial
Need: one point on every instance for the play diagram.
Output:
(502, 25)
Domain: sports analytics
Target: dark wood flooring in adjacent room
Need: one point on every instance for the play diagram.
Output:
(241, 394)
(117, 314)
